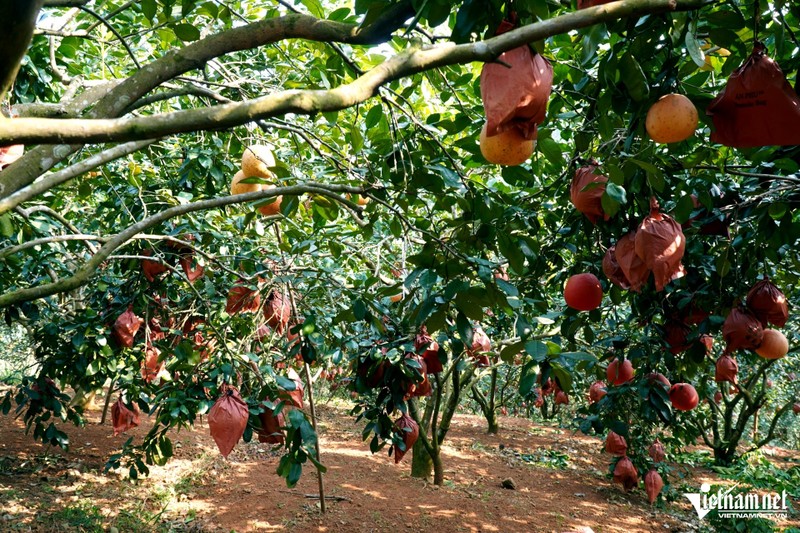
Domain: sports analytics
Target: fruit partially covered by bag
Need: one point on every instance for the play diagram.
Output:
(586, 190)
(757, 107)
(227, 419)
(409, 430)
(126, 326)
(515, 90)
(123, 418)
(660, 245)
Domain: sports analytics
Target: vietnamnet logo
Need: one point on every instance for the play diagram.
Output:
(746, 505)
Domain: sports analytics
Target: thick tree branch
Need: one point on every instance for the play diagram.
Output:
(84, 273)
(309, 102)
(70, 172)
(194, 56)
(20, 19)
(197, 54)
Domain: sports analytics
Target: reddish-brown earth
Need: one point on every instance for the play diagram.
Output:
(561, 485)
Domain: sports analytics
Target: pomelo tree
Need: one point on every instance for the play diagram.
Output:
(135, 118)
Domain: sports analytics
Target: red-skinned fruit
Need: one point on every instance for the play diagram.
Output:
(597, 391)
(683, 397)
(619, 373)
(583, 292)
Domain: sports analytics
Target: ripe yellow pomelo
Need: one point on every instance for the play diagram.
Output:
(672, 119)
(506, 148)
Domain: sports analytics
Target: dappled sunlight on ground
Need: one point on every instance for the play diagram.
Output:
(560, 477)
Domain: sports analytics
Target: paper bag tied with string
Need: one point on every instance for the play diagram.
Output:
(660, 244)
(633, 267)
(515, 90)
(227, 419)
(757, 107)
(123, 418)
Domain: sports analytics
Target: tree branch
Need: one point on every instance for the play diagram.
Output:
(84, 273)
(309, 102)
(65, 3)
(66, 174)
(194, 56)
(20, 20)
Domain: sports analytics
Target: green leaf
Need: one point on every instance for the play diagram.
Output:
(186, 32)
(777, 210)
(634, 78)
(551, 150)
(693, 47)
(464, 328)
(373, 116)
(148, 8)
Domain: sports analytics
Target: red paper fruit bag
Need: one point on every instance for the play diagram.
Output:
(227, 419)
(126, 326)
(515, 97)
(757, 107)
(409, 430)
(123, 418)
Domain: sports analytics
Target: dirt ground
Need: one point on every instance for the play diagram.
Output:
(560, 478)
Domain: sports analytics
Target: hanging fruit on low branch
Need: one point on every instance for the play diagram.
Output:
(597, 391)
(653, 485)
(625, 474)
(123, 418)
(673, 118)
(514, 91)
(586, 190)
(660, 244)
(613, 271)
(635, 270)
(619, 372)
(481, 346)
(227, 419)
(409, 431)
(561, 398)
(683, 396)
(676, 335)
(615, 444)
(726, 369)
(657, 452)
(429, 349)
(774, 345)
(583, 292)
(126, 326)
(768, 303)
(242, 299)
(152, 269)
(742, 329)
(757, 107)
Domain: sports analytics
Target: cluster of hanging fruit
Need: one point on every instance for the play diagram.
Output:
(625, 472)
(745, 328)
(256, 163)
(410, 377)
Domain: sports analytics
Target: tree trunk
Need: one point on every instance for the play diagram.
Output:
(421, 461)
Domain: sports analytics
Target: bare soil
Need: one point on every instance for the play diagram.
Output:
(561, 484)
